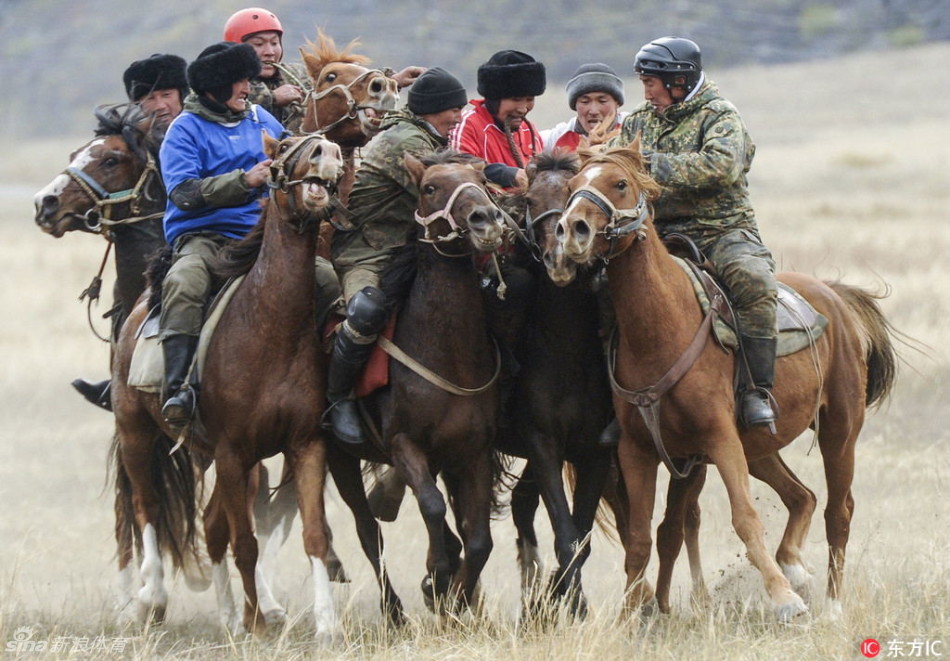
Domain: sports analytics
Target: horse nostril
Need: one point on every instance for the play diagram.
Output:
(376, 87)
(559, 230)
(582, 230)
(50, 204)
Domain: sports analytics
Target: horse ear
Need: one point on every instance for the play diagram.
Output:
(312, 63)
(636, 144)
(416, 167)
(270, 144)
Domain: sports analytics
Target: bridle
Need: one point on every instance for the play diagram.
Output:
(353, 109)
(103, 201)
(279, 180)
(620, 222)
(445, 213)
(529, 227)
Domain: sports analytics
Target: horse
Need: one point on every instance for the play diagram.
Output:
(270, 320)
(438, 414)
(112, 187)
(850, 368)
(562, 401)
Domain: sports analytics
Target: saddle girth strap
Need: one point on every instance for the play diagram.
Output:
(401, 356)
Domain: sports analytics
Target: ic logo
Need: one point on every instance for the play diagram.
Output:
(870, 648)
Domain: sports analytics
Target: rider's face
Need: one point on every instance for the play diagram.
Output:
(445, 120)
(593, 108)
(657, 94)
(239, 92)
(268, 47)
(513, 110)
(164, 104)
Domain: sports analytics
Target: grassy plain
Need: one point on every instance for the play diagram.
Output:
(850, 182)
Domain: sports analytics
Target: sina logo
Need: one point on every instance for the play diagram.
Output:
(22, 641)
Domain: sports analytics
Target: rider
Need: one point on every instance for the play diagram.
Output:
(281, 87)
(383, 202)
(496, 128)
(158, 85)
(215, 170)
(595, 92)
(699, 151)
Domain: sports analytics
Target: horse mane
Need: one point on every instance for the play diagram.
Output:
(238, 258)
(554, 161)
(630, 161)
(324, 51)
(449, 156)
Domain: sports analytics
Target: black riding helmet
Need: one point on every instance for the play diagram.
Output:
(674, 60)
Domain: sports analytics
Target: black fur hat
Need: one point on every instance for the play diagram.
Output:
(436, 90)
(511, 73)
(160, 71)
(221, 65)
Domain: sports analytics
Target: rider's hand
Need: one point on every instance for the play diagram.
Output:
(286, 94)
(257, 175)
(408, 76)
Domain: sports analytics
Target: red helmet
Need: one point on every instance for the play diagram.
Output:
(246, 22)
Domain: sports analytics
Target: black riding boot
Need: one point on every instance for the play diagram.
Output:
(756, 403)
(349, 358)
(98, 393)
(179, 408)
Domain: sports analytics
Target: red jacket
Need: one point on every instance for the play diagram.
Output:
(477, 134)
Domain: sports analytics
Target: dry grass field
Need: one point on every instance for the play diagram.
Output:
(851, 181)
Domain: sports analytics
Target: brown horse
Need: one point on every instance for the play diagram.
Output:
(438, 415)
(562, 402)
(851, 367)
(112, 187)
(270, 320)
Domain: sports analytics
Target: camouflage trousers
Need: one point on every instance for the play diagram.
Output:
(747, 272)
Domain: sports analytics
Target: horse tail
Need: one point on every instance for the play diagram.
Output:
(174, 478)
(601, 517)
(881, 354)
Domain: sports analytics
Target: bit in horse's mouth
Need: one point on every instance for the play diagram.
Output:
(318, 191)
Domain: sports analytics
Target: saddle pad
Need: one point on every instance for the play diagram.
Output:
(376, 373)
(799, 324)
(147, 368)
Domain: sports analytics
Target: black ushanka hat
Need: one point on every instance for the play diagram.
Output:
(509, 74)
(160, 71)
(221, 65)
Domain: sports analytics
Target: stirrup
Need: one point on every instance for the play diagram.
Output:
(98, 394)
(179, 410)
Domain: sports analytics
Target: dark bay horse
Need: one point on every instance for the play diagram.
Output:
(829, 387)
(562, 402)
(438, 415)
(262, 389)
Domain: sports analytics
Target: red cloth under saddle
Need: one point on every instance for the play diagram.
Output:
(376, 372)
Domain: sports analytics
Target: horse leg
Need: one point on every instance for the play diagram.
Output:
(639, 470)
(387, 494)
(217, 533)
(729, 458)
(308, 463)
(128, 582)
(345, 470)
(414, 467)
(525, 499)
(682, 515)
(232, 483)
(800, 502)
(473, 498)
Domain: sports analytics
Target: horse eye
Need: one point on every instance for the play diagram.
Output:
(428, 189)
(622, 184)
(330, 77)
(111, 162)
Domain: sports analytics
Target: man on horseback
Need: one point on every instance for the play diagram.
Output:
(281, 87)
(698, 149)
(496, 128)
(595, 92)
(159, 86)
(382, 204)
(214, 169)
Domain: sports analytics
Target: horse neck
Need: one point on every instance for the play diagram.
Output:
(566, 319)
(282, 283)
(651, 293)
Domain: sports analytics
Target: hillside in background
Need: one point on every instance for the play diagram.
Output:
(59, 58)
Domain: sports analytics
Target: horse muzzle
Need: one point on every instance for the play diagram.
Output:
(560, 269)
(486, 227)
(576, 238)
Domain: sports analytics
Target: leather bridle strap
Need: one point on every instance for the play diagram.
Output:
(401, 356)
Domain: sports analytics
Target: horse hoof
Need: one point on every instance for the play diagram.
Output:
(336, 572)
(791, 609)
(428, 593)
(275, 617)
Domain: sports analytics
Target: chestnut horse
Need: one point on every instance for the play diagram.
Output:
(562, 403)
(851, 367)
(262, 352)
(438, 415)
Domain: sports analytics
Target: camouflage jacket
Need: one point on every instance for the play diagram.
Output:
(699, 151)
(291, 115)
(384, 195)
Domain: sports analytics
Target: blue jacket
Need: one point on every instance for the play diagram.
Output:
(197, 148)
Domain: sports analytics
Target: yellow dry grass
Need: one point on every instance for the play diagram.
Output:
(850, 181)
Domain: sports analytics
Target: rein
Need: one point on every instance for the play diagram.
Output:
(353, 109)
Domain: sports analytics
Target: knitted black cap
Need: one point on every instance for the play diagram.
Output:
(436, 90)
(511, 73)
(595, 77)
(221, 65)
(157, 72)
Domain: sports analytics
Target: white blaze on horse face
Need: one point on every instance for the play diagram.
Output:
(56, 187)
(328, 627)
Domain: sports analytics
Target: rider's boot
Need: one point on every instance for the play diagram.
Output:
(98, 392)
(756, 399)
(181, 399)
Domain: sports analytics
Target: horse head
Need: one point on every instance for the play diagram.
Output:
(454, 202)
(303, 176)
(548, 174)
(114, 169)
(348, 100)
